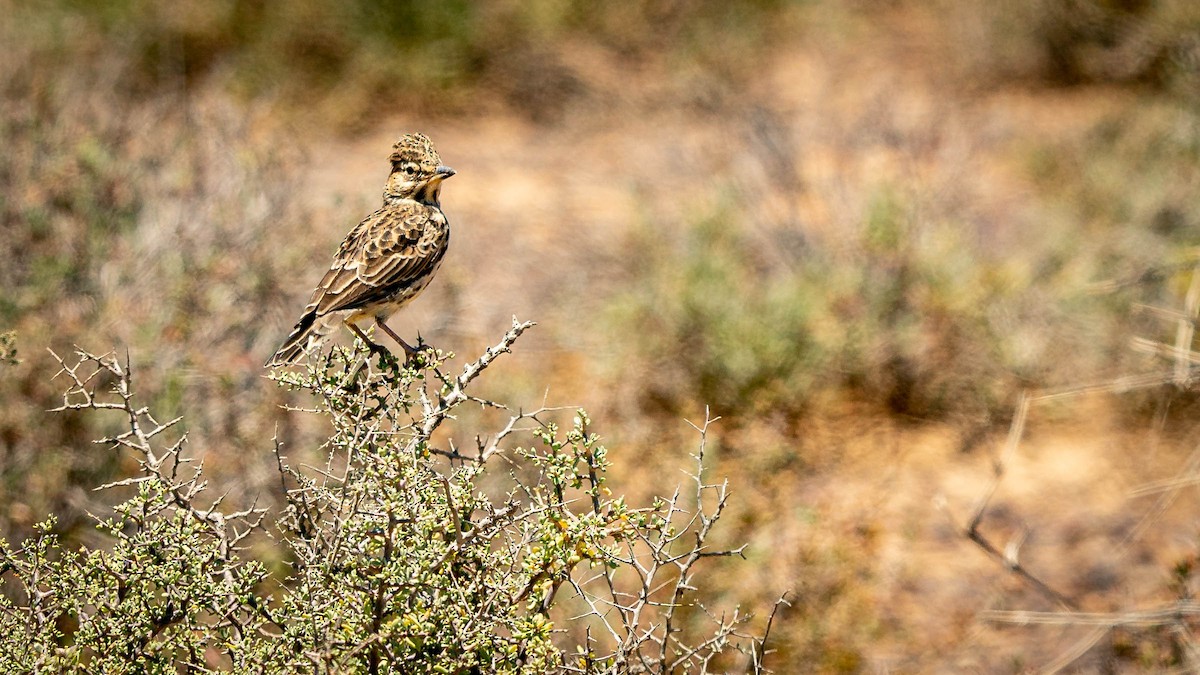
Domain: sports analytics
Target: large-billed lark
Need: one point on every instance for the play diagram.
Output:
(386, 260)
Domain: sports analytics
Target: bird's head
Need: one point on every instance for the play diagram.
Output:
(417, 171)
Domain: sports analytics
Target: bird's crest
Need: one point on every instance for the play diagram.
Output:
(416, 148)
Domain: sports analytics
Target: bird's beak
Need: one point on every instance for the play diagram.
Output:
(444, 172)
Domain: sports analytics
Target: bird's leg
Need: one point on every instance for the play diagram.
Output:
(375, 348)
(408, 349)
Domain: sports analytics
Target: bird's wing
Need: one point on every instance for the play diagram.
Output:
(389, 250)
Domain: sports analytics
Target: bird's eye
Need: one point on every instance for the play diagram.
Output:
(410, 169)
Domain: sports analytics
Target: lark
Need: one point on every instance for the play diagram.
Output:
(386, 260)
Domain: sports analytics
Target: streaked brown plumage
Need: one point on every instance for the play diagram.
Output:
(387, 259)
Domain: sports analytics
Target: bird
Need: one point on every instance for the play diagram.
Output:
(386, 260)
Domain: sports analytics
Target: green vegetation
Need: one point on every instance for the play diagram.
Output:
(1146, 44)
(354, 58)
(396, 557)
(908, 314)
(8, 349)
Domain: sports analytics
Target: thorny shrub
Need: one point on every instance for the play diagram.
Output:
(406, 553)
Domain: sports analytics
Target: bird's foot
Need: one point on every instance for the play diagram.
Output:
(419, 355)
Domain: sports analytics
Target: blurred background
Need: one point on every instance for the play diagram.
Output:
(856, 231)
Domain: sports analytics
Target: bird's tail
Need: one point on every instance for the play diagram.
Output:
(306, 332)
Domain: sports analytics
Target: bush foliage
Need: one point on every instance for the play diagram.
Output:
(404, 553)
